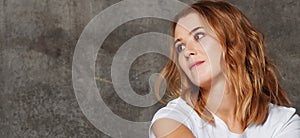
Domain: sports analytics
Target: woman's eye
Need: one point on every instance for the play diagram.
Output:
(180, 48)
(198, 36)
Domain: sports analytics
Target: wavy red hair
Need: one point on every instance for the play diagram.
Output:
(249, 72)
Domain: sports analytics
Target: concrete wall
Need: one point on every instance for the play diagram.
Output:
(38, 38)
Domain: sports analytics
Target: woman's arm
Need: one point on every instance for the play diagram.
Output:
(169, 128)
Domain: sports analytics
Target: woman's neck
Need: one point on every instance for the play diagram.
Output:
(216, 96)
(223, 103)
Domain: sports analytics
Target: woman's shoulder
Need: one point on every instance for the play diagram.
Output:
(281, 121)
(280, 114)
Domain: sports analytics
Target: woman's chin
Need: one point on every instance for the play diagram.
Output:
(206, 84)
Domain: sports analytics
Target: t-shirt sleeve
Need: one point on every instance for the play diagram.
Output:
(169, 114)
(291, 129)
(175, 110)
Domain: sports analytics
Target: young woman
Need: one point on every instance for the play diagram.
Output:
(221, 81)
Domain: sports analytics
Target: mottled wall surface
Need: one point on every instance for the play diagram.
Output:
(38, 38)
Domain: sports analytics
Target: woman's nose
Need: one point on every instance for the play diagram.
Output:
(190, 49)
(189, 53)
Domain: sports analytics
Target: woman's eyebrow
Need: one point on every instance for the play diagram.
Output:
(176, 41)
(195, 29)
(192, 31)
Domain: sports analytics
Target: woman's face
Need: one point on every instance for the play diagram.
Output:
(199, 51)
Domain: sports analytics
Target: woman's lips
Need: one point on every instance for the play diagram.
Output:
(197, 63)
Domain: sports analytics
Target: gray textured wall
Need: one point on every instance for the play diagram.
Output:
(38, 38)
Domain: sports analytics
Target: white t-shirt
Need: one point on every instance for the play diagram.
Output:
(282, 122)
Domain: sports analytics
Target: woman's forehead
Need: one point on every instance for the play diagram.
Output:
(189, 22)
